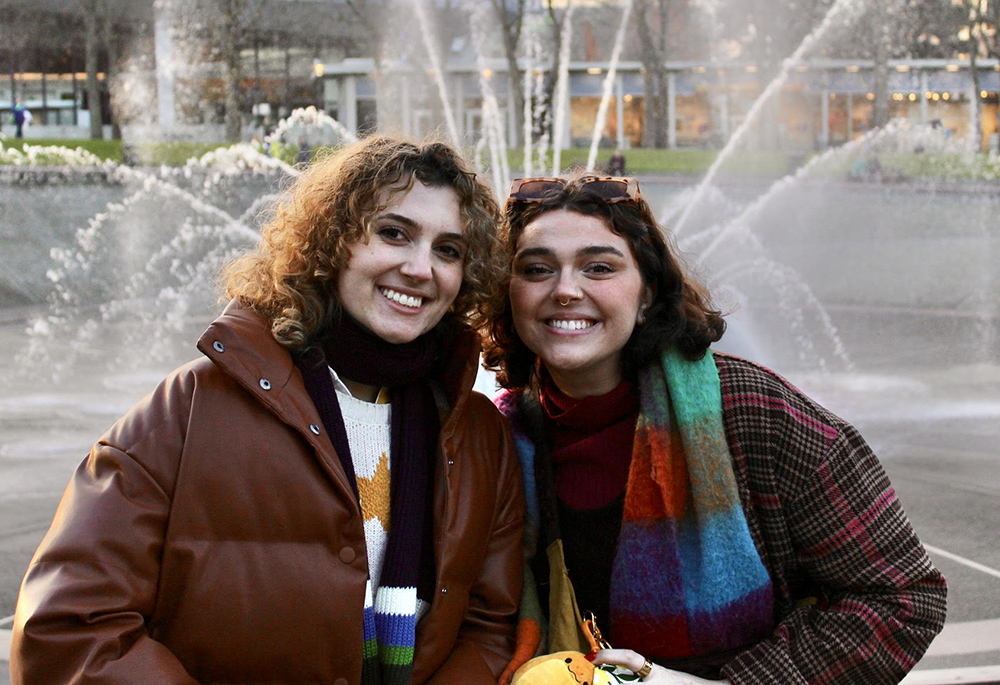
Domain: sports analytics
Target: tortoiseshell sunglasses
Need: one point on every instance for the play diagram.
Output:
(608, 188)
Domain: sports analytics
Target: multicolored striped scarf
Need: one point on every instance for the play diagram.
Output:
(390, 610)
(687, 579)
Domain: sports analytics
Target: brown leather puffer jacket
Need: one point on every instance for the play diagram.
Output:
(212, 536)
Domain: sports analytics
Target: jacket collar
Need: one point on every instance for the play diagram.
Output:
(250, 354)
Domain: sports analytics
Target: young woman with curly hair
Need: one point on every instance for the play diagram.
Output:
(321, 498)
(719, 524)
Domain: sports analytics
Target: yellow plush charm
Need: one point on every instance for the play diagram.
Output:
(563, 668)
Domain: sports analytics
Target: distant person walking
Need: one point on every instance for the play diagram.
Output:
(616, 165)
(304, 155)
(22, 117)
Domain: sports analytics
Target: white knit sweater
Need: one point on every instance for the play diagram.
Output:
(369, 437)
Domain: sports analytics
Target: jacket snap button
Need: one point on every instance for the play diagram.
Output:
(451, 462)
(444, 591)
(340, 681)
(264, 383)
(219, 347)
(347, 555)
(314, 428)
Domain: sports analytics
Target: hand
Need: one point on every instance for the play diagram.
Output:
(626, 658)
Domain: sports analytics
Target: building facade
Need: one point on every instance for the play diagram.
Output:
(300, 55)
(821, 104)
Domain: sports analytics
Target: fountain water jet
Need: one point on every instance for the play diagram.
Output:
(741, 222)
(609, 80)
(526, 129)
(737, 234)
(536, 111)
(841, 10)
(493, 124)
(562, 88)
(306, 117)
(145, 284)
(426, 33)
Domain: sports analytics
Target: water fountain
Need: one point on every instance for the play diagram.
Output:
(427, 34)
(840, 11)
(609, 80)
(861, 292)
(311, 121)
(493, 125)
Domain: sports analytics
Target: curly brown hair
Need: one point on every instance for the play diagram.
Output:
(291, 276)
(681, 313)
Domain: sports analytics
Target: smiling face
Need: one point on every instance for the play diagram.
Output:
(576, 294)
(402, 281)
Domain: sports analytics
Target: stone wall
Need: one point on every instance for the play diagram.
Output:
(42, 208)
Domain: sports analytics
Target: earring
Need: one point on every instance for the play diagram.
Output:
(640, 319)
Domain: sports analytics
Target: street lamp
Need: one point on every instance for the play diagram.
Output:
(318, 83)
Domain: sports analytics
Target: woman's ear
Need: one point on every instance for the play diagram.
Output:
(648, 295)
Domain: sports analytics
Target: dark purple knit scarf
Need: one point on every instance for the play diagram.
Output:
(361, 356)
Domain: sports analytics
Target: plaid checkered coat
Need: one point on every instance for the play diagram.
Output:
(828, 526)
(856, 598)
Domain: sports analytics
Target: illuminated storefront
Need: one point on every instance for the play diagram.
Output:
(821, 104)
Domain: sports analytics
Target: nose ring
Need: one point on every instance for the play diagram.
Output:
(563, 304)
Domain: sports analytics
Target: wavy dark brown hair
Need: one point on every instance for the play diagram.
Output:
(291, 277)
(681, 314)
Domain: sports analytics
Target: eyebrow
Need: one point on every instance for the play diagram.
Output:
(410, 223)
(589, 251)
(399, 218)
(599, 250)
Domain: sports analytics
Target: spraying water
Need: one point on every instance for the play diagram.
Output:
(562, 88)
(493, 123)
(426, 32)
(530, 70)
(609, 80)
(526, 128)
(310, 116)
(845, 10)
(535, 107)
(742, 222)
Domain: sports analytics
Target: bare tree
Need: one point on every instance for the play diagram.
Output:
(511, 16)
(881, 16)
(13, 36)
(111, 47)
(992, 43)
(546, 120)
(93, 11)
(229, 26)
(229, 43)
(943, 29)
(653, 50)
(980, 41)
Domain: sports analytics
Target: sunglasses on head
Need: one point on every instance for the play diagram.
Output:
(608, 188)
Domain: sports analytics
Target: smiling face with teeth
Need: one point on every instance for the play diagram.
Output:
(402, 281)
(576, 293)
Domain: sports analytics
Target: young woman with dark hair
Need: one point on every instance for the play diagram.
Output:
(719, 524)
